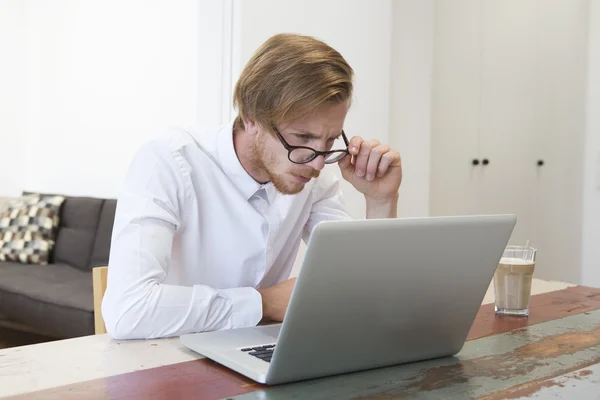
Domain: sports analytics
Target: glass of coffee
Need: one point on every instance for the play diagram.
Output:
(512, 280)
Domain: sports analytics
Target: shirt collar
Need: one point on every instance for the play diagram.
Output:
(234, 169)
(271, 191)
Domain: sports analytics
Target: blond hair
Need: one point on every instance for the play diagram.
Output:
(287, 78)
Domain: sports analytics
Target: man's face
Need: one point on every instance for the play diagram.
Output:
(320, 130)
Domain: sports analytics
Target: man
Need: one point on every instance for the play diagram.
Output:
(209, 222)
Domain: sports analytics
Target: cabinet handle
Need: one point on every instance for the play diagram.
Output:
(485, 161)
(475, 162)
(540, 163)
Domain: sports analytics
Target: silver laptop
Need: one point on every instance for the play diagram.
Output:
(371, 293)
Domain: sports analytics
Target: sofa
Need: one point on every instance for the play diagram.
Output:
(56, 299)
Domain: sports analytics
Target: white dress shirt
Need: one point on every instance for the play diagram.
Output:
(195, 236)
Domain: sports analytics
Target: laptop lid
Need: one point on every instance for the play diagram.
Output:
(374, 293)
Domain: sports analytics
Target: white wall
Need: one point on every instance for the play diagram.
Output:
(591, 188)
(12, 97)
(214, 61)
(103, 77)
(410, 103)
(85, 83)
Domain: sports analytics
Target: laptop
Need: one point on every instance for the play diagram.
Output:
(371, 293)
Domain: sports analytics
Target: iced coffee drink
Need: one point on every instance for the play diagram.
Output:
(512, 281)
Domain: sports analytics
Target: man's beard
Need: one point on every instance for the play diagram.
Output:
(267, 162)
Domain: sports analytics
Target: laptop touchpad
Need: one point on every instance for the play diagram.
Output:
(269, 330)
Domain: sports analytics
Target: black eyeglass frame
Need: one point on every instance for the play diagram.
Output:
(316, 153)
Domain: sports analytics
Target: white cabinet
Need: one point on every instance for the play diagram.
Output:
(507, 112)
(508, 92)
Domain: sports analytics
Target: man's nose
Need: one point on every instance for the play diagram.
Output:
(318, 163)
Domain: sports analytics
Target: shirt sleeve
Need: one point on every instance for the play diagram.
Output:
(329, 203)
(137, 303)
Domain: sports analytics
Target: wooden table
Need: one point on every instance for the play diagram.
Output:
(554, 352)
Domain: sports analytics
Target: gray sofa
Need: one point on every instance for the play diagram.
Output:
(56, 299)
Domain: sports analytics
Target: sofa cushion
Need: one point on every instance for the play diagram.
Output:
(28, 228)
(56, 298)
(103, 235)
(75, 240)
(5, 203)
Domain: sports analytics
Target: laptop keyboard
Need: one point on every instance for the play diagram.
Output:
(265, 352)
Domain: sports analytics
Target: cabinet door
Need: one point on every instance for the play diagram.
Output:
(509, 87)
(561, 89)
(454, 141)
(508, 112)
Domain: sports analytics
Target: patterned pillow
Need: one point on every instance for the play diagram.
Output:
(28, 229)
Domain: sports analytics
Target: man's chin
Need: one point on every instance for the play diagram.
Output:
(288, 186)
(291, 189)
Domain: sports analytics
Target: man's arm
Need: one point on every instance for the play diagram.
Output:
(275, 299)
(382, 208)
(137, 303)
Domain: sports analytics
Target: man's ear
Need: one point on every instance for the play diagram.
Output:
(250, 126)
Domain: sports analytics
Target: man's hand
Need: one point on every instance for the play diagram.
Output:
(275, 299)
(374, 169)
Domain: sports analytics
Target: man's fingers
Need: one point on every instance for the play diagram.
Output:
(354, 146)
(345, 165)
(375, 159)
(362, 159)
(389, 158)
(368, 158)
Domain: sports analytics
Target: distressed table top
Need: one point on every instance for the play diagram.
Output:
(554, 353)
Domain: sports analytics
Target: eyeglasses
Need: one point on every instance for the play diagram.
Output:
(303, 154)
